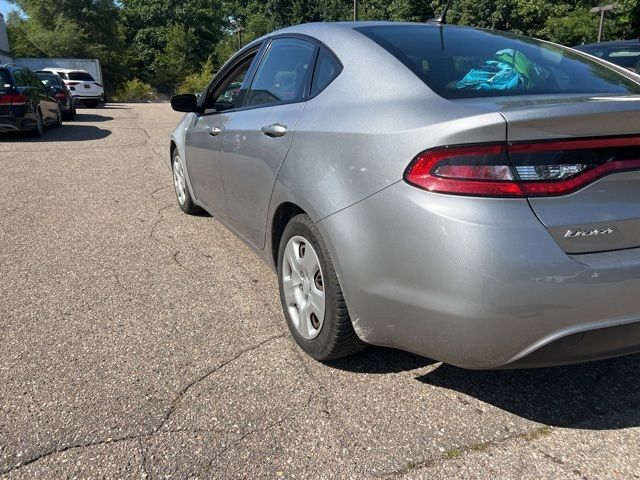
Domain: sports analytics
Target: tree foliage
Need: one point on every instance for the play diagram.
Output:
(164, 42)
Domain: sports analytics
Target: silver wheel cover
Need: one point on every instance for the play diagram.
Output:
(303, 287)
(179, 180)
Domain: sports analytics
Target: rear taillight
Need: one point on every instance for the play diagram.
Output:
(61, 96)
(480, 170)
(528, 169)
(72, 83)
(13, 99)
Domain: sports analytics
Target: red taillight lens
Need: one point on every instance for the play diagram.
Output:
(530, 169)
(13, 99)
(482, 170)
(61, 96)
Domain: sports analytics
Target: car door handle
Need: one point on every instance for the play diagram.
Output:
(275, 130)
(215, 131)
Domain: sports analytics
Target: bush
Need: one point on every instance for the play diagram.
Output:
(197, 82)
(135, 90)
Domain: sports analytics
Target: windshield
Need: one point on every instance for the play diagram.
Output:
(80, 77)
(5, 80)
(458, 62)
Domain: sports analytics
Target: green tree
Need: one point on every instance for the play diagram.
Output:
(170, 39)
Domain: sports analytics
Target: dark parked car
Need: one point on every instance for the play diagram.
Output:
(25, 103)
(62, 93)
(625, 53)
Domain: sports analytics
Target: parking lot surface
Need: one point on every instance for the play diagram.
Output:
(139, 342)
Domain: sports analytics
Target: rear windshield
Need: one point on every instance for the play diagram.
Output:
(5, 80)
(458, 62)
(80, 77)
(48, 79)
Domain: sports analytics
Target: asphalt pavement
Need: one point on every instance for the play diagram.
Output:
(139, 342)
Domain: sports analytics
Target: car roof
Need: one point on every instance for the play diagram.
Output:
(64, 70)
(324, 31)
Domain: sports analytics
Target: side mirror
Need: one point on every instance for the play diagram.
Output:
(187, 102)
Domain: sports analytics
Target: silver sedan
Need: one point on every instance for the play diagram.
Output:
(468, 195)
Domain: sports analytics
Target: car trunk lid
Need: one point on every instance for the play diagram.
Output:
(579, 161)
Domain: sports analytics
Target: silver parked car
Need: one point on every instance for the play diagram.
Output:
(468, 195)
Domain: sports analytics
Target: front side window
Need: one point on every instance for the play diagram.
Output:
(283, 74)
(459, 62)
(228, 94)
(48, 79)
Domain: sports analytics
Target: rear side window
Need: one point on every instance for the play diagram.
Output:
(21, 79)
(283, 74)
(80, 77)
(458, 62)
(327, 69)
(63, 75)
(5, 80)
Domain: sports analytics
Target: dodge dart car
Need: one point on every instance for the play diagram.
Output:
(468, 195)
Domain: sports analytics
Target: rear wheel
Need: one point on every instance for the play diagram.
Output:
(58, 117)
(311, 296)
(183, 195)
(70, 115)
(39, 130)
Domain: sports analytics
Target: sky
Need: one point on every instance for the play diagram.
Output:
(6, 7)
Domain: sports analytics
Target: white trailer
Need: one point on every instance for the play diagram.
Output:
(90, 65)
(5, 49)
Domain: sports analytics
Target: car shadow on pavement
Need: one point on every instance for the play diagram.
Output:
(66, 133)
(380, 360)
(600, 395)
(90, 117)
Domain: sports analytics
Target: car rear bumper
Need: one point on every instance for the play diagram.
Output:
(88, 98)
(479, 283)
(15, 124)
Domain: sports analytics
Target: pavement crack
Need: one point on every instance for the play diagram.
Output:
(181, 394)
(172, 408)
(455, 453)
(145, 462)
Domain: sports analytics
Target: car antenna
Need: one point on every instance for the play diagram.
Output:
(442, 19)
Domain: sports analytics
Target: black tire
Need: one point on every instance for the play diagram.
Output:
(337, 338)
(39, 130)
(71, 114)
(58, 117)
(187, 206)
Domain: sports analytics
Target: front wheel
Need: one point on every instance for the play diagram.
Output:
(181, 188)
(311, 295)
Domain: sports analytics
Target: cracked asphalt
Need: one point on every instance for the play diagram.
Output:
(138, 342)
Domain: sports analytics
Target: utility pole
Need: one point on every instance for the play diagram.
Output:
(355, 10)
(602, 11)
(238, 31)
